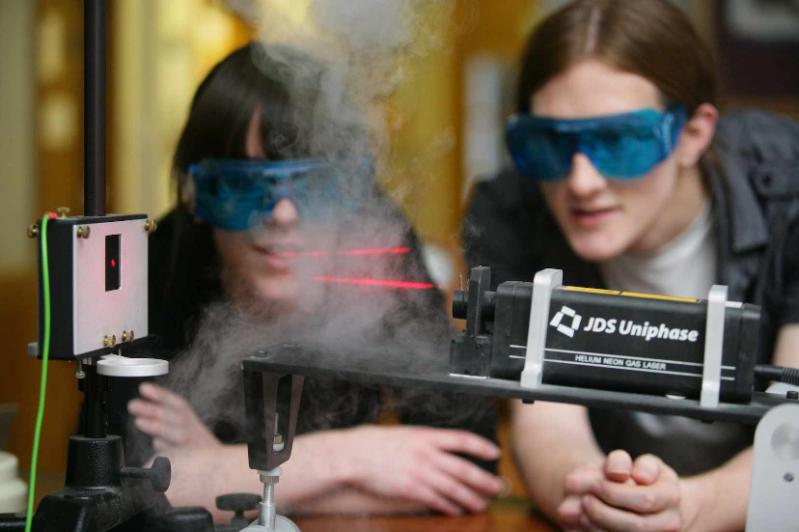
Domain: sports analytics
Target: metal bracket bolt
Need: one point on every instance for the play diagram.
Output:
(109, 341)
(79, 373)
(83, 231)
(268, 508)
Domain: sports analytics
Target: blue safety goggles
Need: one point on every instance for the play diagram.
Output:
(623, 146)
(235, 195)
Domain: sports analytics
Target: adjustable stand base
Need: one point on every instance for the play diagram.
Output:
(100, 494)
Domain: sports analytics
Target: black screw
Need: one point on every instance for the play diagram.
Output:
(788, 477)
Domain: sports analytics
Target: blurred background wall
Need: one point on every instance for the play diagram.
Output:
(445, 123)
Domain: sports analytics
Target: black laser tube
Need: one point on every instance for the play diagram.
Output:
(605, 339)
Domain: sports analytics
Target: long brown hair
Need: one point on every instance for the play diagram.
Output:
(247, 80)
(651, 38)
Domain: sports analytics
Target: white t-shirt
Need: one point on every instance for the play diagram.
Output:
(685, 267)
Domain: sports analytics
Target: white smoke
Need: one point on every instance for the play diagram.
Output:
(364, 47)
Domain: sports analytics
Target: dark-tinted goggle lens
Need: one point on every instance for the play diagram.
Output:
(234, 195)
(625, 146)
(539, 152)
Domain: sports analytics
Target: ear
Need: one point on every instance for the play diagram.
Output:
(187, 196)
(697, 133)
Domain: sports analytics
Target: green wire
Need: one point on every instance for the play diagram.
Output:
(43, 384)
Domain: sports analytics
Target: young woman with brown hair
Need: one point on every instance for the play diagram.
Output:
(628, 179)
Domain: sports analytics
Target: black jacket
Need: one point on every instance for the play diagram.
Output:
(752, 172)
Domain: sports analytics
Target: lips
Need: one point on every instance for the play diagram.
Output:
(276, 256)
(592, 216)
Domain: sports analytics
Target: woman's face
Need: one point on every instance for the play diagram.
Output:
(600, 217)
(254, 266)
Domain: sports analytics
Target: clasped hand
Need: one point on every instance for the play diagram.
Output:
(620, 494)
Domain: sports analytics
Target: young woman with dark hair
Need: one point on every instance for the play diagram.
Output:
(627, 179)
(251, 124)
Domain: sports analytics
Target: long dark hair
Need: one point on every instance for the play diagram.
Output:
(252, 78)
(651, 38)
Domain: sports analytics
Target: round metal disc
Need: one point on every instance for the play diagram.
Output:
(119, 366)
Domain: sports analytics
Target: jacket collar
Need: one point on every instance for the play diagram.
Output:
(736, 201)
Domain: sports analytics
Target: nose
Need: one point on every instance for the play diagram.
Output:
(584, 180)
(284, 213)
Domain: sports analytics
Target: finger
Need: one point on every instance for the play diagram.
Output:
(570, 511)
(156, 412)
(172, 434)
(468, 473)
(161, 445)
(642, 499)
(149, 426)
(139, 407)
(457, 492)
(461, 441)
(151, 391)
(587, 526)
(434, 500)
(162, 395)
(582, 480)
(647, 469)
(618, 465)
(607, 517)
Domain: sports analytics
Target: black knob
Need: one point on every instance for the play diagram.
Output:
(238, 503)
(183, 519)
(159, 475)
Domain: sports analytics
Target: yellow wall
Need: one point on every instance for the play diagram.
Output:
(47, 123)
(16, 131)
(425, 174)
(160, 52)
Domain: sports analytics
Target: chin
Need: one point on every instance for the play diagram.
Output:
(281, 291)
(597, 248)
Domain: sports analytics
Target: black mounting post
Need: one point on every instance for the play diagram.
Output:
(94, 108)
(94, 422)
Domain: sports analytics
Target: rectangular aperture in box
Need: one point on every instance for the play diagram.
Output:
(112, 262)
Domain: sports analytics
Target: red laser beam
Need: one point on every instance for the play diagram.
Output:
(387, 283)
(351, 252)
(386, 251)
